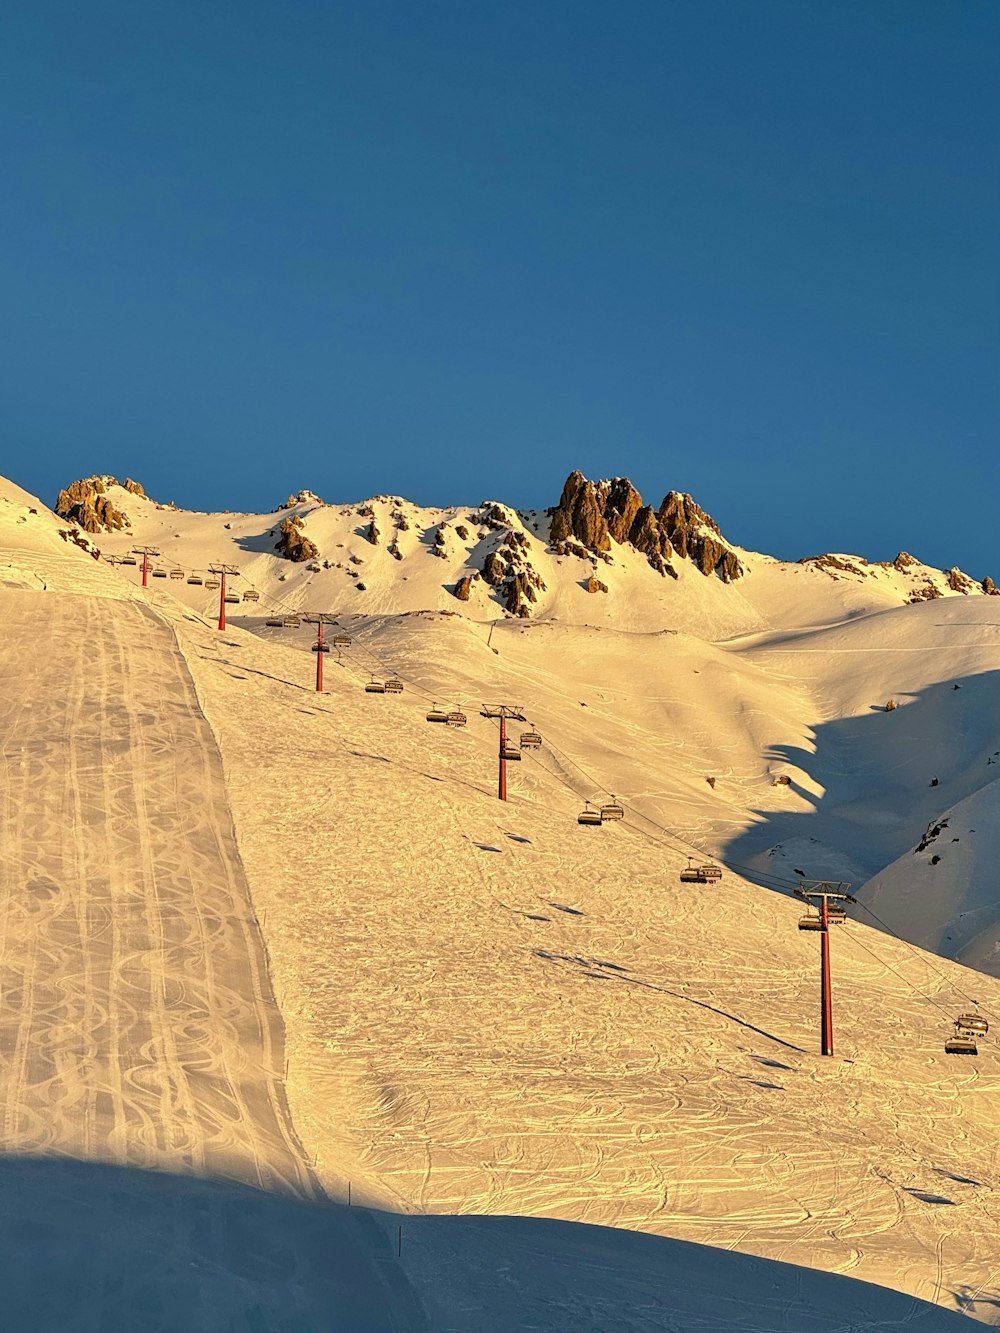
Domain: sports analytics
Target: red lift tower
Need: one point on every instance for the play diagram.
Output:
(820, 893)
(503, 712)
(145, 552)
(319, 647)
(222, 571)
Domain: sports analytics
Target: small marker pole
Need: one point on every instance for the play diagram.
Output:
(319, 656)
(502, 792)
(222, 601)
(348, 1194)
(399, 1242)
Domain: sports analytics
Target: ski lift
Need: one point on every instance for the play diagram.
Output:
(612, 811)
(456, 719)
(512, 752)
(962, 1043)
(276, 622)
(231, 597)
(530, 740)
(437, 714)
(177, 573)
(589, 815)
(836, 916)
(251, 595)
(128, 560)
(212, 583)
(159, 573)
(972, 1022)
(691, 874)
(710, 872)
(320, 647)
(196, 578)
(811, 921)
(394, 685)
(375, 686)
(342, 641)
(291, 622)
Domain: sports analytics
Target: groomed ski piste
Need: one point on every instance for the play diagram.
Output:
(304, 1029)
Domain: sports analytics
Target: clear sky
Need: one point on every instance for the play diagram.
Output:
(455, 248)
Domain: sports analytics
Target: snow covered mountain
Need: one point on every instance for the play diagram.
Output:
(262, 936)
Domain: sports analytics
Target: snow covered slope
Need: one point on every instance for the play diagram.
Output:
(491, 1009)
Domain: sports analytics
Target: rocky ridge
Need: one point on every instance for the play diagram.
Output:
(591, 515)
(87, 504)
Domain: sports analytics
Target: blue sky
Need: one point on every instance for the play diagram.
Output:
(746, 248)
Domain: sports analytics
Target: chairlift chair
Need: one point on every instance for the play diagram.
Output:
(128, 560)
(612, 810)
(959, 1045)
(394, 685)
(320, 647)
(276, 622)
(456, 719)
(159, 573)
(691, 874)
(375, 686)
(196, 578)
(436, 714)
(710, 872)
(212, 583)
(342, 641)
(177, 573)
(512, 752)
(251, 595)
(589, 815)
(530, 740)
(836, 916)
(232, 597)
(291, 622)
(972, 1023)
(812, 921)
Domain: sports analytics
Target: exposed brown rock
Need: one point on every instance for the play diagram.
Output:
(595, 585)
(957, 581)
(462, 532)
(86, 504)
(134, 486)
(293, 544)
(684, 523)
(578, 515)
(989, 587)
(904, 560)
(494, 569)
(463, 588)
(622, 505)
(372, 533)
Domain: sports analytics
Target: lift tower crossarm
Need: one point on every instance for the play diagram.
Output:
(823, 891)
(145, 552)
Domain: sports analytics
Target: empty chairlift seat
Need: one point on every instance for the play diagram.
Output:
(159, 573)
(512, 752)
(811, 921)
(342, 641)
(961, 1044)
(974, 1023)
(394, 685)
(710, 872)
(320, 647)
(128, 560)
(375, 686)
(612, 810)
(212, 583)
(276, 622)
(291, 622)
(589, 815)
(457, 718)
(436, 714)
(196, 578)
(251, 595)
(177, 573)
(530, 740)
(691, 874)
(232, 597)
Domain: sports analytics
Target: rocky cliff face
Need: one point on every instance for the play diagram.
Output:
(86, 504)
(593, 514)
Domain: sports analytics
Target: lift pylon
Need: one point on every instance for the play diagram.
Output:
(145, 552)
(822, 892)
(503, 712)
(223, 571)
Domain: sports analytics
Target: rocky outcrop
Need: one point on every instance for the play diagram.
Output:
(86, 504)
(989, 587)
(903, 561)
(463, 588)
(372, 533)
(135, 487)
(595, 585)
(959, 582)
(695, 535)
(578, 514)
(494, 569)
(303, 497)
(592, 515)
(293, 544)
